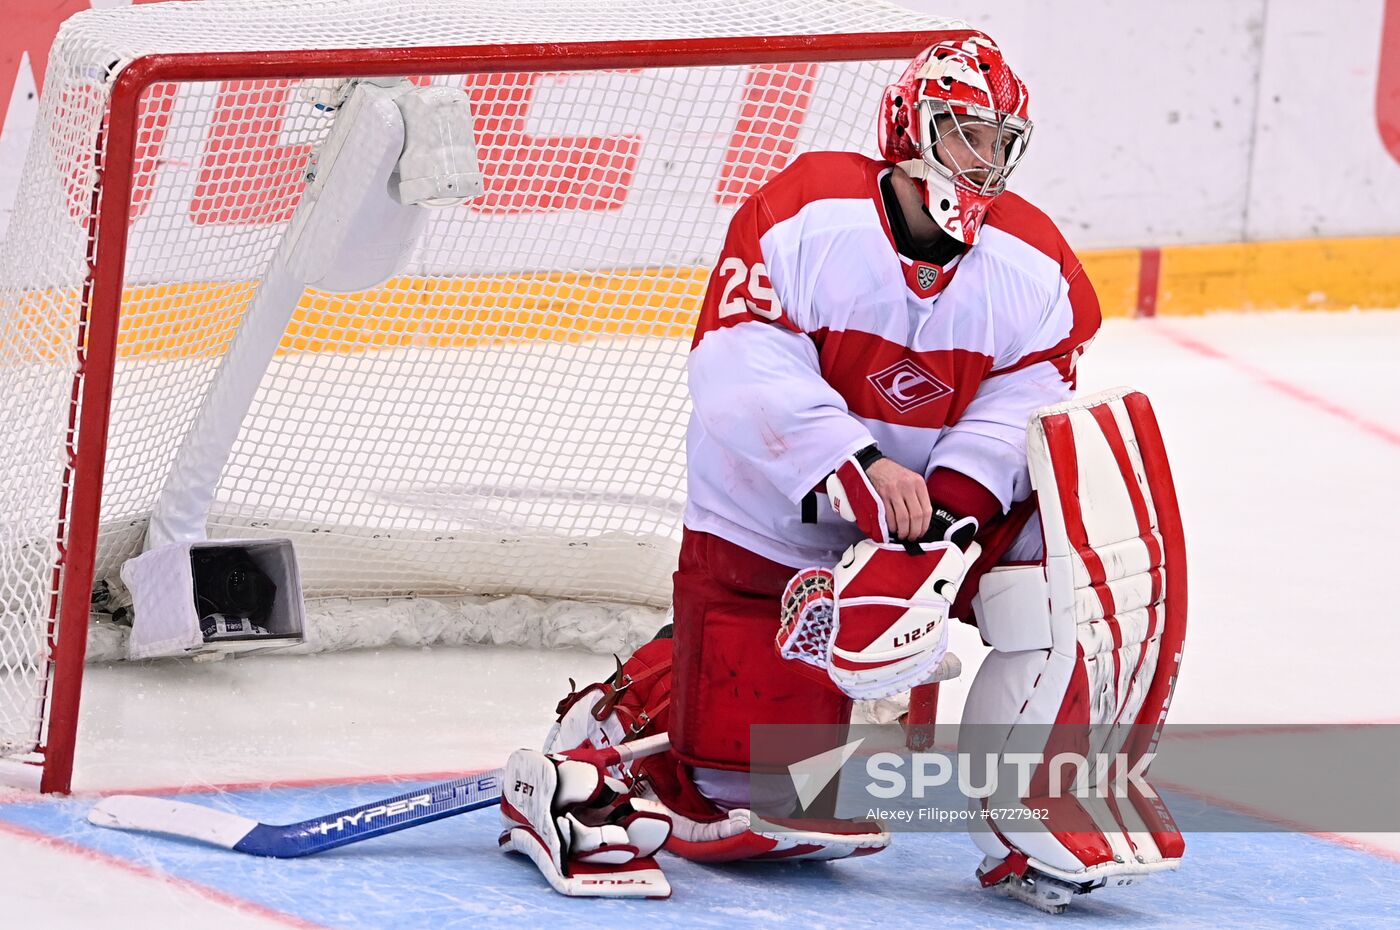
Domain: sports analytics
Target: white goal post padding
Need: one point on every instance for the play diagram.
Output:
(506, 416)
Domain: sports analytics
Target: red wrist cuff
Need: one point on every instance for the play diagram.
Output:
(964, 496)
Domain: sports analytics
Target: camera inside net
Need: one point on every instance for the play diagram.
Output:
(232, 595)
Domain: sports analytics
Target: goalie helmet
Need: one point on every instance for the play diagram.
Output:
(957, 100)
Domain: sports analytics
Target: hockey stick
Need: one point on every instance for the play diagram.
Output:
(241, 834)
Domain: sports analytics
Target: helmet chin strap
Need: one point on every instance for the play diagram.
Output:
(928, 178)
(918, 171)
(916, 168)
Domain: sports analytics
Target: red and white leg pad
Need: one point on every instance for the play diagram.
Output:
(876, 623)
(1093, 638)
(584, 831)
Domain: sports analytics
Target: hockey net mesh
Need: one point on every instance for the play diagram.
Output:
(507, 414)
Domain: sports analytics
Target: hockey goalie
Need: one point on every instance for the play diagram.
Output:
(884, 441)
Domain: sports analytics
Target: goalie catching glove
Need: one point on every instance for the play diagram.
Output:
(582, 828)
(877, 623)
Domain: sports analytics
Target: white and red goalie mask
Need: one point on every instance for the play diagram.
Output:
(956, 121)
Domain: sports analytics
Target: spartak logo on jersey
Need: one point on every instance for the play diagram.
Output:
(906, 385)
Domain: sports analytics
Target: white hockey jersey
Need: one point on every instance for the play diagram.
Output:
(818, 338)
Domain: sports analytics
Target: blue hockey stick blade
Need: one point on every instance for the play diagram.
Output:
(241, 834)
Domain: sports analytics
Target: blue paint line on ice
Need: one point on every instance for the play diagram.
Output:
(449, 875)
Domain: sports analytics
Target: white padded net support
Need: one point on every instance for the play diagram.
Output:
(507, 415)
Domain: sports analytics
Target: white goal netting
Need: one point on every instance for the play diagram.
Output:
(505, 416)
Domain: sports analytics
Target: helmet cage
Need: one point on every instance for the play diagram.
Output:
(984, 177)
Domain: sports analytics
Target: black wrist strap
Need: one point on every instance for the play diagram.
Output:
(868, 456)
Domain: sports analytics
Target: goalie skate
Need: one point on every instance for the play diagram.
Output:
(1035, 888)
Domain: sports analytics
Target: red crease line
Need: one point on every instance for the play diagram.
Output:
(1293, 826)
(1302, 395)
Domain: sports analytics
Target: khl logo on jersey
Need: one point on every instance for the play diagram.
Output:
(906, 385)
(927, 276)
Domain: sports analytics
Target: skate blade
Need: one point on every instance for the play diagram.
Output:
(1042, 893)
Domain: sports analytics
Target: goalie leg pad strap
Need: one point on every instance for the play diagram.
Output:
(633, 702)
